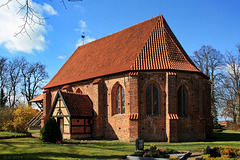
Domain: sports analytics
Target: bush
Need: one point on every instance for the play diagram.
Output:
(154, 152)
(51, 132)
(16, 119)
(153, 147)
(6, 119)
(222, 153)
(21, 116)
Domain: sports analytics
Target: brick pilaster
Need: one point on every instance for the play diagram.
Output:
(171, 107)
(100, 110)
(46, 106)
(134, 109)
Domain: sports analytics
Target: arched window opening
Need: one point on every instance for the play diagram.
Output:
(152, 100)
(120, 100)
(182, 100)
(79, 91)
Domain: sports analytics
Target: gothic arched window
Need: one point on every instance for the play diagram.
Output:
(152, 100)
(182, 95)
(120, 100)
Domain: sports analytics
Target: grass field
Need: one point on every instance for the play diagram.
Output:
(34, 131)
(6, 134)
(33, 148)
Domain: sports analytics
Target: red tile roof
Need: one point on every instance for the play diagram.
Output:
(149, 45)
(39, 98)
(78, 105)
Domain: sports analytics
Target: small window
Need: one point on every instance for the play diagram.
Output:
(120, 100)
(152, 100)
(182, 100)
(79, 91)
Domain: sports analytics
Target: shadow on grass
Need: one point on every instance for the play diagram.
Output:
(226, 136)
(38, 156)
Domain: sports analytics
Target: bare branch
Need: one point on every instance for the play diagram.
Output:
(6, 4)
(31, 17)
(62, 1)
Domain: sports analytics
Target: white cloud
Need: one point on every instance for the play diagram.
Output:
(11, 23)
(49, 9)
(62, 57)
(86, 40)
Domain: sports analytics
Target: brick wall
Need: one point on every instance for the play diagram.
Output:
(152, 127)
(195, 125)
(117, 125)
(135, 123)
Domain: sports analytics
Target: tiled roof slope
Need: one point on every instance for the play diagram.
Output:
(39, 98)
(149, 45)
(78, 105)
(163, 52)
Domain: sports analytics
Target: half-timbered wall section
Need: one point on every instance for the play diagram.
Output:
(62, 116)
(73, 113)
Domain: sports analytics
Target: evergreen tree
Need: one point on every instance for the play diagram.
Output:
(51, 131)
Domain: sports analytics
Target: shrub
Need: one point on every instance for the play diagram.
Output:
(21, 116)
(16, 119)
(153, 147)
(222, 153)
(6, 119)
(153, 152)
(51, 132)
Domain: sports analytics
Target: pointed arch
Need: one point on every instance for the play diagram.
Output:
(118, 99)
(79, 91)
(152, 98)
(183, 100)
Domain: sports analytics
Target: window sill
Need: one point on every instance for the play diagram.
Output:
(123, 114)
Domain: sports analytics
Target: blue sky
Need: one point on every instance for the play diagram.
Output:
(194, 23)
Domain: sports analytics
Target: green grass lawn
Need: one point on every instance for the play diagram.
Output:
(33, 148)
(34, 131)
(6, 134)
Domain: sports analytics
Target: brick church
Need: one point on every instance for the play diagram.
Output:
(138, 82)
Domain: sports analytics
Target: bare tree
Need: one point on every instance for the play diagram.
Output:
(14, 78)
(209, 61)
(20, 79)
(31, 17)
(34, 75)
(227, 99)
(233, 74)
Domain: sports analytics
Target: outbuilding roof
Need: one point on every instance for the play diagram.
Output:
(150, 45)
(78, 105)
(38, 98)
